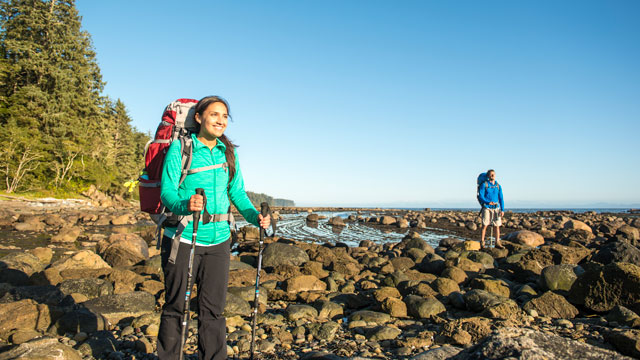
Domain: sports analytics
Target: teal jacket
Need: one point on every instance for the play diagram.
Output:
(214, 182)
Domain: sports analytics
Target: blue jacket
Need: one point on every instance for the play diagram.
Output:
(491, 193)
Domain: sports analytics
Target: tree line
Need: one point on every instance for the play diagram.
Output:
(57, 130)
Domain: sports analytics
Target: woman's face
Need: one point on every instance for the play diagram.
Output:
(213, 121)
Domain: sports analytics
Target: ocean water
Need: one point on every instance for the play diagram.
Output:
(295, 226)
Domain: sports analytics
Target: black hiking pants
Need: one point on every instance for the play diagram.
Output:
(211, 273)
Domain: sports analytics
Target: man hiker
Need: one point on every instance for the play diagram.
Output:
(492, 206)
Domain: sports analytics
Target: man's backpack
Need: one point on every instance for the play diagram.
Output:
(178, 123)
(483, 181)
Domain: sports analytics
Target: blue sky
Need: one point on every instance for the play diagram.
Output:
(379, 103)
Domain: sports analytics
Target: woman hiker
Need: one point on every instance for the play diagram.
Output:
(210, 147)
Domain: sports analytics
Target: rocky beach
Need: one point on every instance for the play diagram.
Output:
(82, 279)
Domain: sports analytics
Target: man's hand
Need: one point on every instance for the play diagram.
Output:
(265, 222)
(501, 213)
(195, 203)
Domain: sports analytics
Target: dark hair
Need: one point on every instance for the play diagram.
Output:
(488, 171)
(201, 106)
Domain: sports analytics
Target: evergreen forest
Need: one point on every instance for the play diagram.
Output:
(58, 132)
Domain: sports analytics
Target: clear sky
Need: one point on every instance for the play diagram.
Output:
(396, 103)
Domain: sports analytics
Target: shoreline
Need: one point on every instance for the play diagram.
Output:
(570, 279)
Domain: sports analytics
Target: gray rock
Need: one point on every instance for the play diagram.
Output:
(328, 309)
(517, 343)
(623, 316)
(43, 294)
(617, 251)
(236, 305)
(370, 317)
(601, 288)
(380, 333)
(295, 312)
(325, 331)
(552, 305)
(441, 353)
(278, 253)
(560, 277)
(422, 308)
(81, 320)
(116, 307)
(41, 349)
(480, 257)
(99, 344)
(432, 264)
(90, 287)
(123, 249)
(479, 300)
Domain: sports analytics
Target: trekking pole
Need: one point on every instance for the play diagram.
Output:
(264, 210)
(492, 241)
(187, 295)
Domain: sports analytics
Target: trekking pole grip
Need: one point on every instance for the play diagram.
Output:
(264, 209)
(196, 214)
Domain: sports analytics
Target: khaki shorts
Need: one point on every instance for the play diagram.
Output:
(491, 217)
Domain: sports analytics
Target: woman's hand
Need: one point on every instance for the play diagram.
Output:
(265, 222)
(196, 203)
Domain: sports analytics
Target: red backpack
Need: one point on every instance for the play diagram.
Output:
(178, 123)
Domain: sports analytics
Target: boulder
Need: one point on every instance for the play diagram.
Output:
(444, 286)
(369, 316)
(89, 287)
(123, 249)
(67, 235)
(117, 307)
(324, 332)
(236, 305)
(279, 253)
(24, 314)
(296, 312)
(41, 349)
(560, 277)
(623, 316)
(629, 233)
(23, 262)
(380, 333)
(454, 273)
(506, 310)
(601, 288)
(402, 263)
(81, 320)
(496, 287)
(328, 309)
(385, 292)
(577, 225)
(394, 307)
(552, 305)
(478, 300)
(520, 343)
(625, 341)
(83, 259)
(617, 251)
(305, 283)
(387, 220)
(421, 308)
(525, 237)
(432, 264)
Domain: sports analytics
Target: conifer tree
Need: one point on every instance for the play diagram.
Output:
(51, 107)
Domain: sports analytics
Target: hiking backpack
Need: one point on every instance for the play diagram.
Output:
(483, 180)
(178, 123)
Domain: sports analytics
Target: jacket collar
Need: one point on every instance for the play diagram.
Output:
(197, 144)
